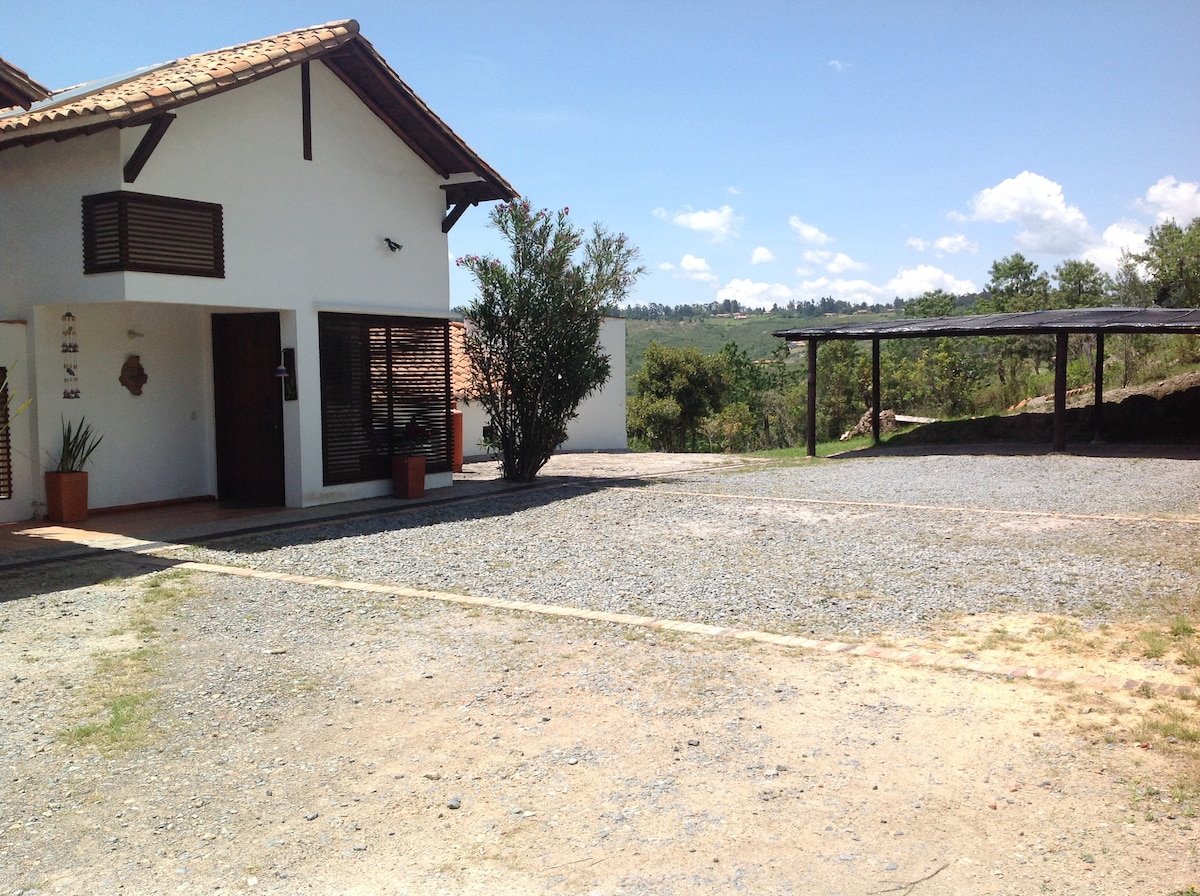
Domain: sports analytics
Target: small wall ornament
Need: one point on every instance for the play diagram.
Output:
(133, 375)
(70, 346)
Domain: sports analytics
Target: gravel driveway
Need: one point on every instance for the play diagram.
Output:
(314, 739)
(848, 548)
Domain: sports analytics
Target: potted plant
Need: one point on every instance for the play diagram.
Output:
(67, 482)
(408, 460)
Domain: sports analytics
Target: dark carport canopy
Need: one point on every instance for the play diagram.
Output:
(1060, 323)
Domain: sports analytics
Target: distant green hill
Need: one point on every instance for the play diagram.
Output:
(709, 334)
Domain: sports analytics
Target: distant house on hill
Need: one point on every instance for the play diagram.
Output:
(256, 238)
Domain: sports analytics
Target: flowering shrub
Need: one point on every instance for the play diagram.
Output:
(534, 334)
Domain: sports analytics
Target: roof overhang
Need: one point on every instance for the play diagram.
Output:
(17, 88)
(143, 96)
(1017, 323)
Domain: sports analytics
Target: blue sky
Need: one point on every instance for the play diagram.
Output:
(762, 151)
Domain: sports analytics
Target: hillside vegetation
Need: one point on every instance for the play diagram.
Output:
(724, 383)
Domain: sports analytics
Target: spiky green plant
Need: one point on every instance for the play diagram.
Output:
(78, 443)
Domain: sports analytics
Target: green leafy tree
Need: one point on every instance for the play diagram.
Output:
(1016, 285)
(1081, 284)
(675, 389)
(843, 387)
(934, 303)
(1130, 288)
(534, 334)
(1172, 259)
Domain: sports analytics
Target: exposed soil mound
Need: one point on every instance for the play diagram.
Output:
(1165, 411)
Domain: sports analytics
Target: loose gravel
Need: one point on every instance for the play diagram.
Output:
(849, 548)
(311, 739)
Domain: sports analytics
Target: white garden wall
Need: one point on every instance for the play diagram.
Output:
(600, 425)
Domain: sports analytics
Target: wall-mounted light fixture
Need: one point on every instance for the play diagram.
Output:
(286, 371)
(392, 244)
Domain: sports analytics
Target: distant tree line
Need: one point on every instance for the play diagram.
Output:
(686, 401)
(820, 308)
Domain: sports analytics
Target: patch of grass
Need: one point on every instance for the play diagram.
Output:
(164, 592)
(1154, 643)
(1170, 721)
(1181, 626)
(999, 636)
(1059, 629)
(123, 724)
(1189, 655)
(121, 699)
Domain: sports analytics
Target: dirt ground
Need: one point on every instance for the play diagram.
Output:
(418, 746)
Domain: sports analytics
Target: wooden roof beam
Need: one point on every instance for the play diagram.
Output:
(147, 145)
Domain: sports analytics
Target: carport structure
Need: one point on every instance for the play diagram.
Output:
(1059, 323)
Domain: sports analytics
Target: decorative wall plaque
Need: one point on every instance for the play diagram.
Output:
(133, 375)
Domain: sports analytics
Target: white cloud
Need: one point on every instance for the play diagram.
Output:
(1124, 235)
(718, 223)
(1037, 204)
(1172, 199)
(833, 262)
(762, 255)
(752, 294)
(691, 268)
(946, 245)
(910, 282)
(854, 291)
(697, 269)
(808, 233)
(838, 66)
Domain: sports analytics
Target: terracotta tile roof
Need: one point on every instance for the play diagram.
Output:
(136, 98)
(460, 364)
(172, 84)
(17, 88)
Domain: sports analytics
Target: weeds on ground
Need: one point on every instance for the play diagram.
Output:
(120, 693)
(998, 637)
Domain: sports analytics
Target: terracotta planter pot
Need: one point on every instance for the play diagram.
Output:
(67, 497)
(408, 476)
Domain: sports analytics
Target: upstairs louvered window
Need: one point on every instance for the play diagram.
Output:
(385, 390)
(126, 231)
(6, 482)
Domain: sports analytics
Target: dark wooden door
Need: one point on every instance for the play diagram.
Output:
(248, 404)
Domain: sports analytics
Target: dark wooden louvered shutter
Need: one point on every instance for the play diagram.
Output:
(126, 231)
(6, 478)
(385, 390)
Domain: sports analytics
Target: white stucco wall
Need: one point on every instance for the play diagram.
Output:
(300, 237)
(600, 425)
(156, 444)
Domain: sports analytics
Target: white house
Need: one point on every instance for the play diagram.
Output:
(234, 266)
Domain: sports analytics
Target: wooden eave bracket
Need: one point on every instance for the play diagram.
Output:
(462, 195)
(149, 142)
(454, 214)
